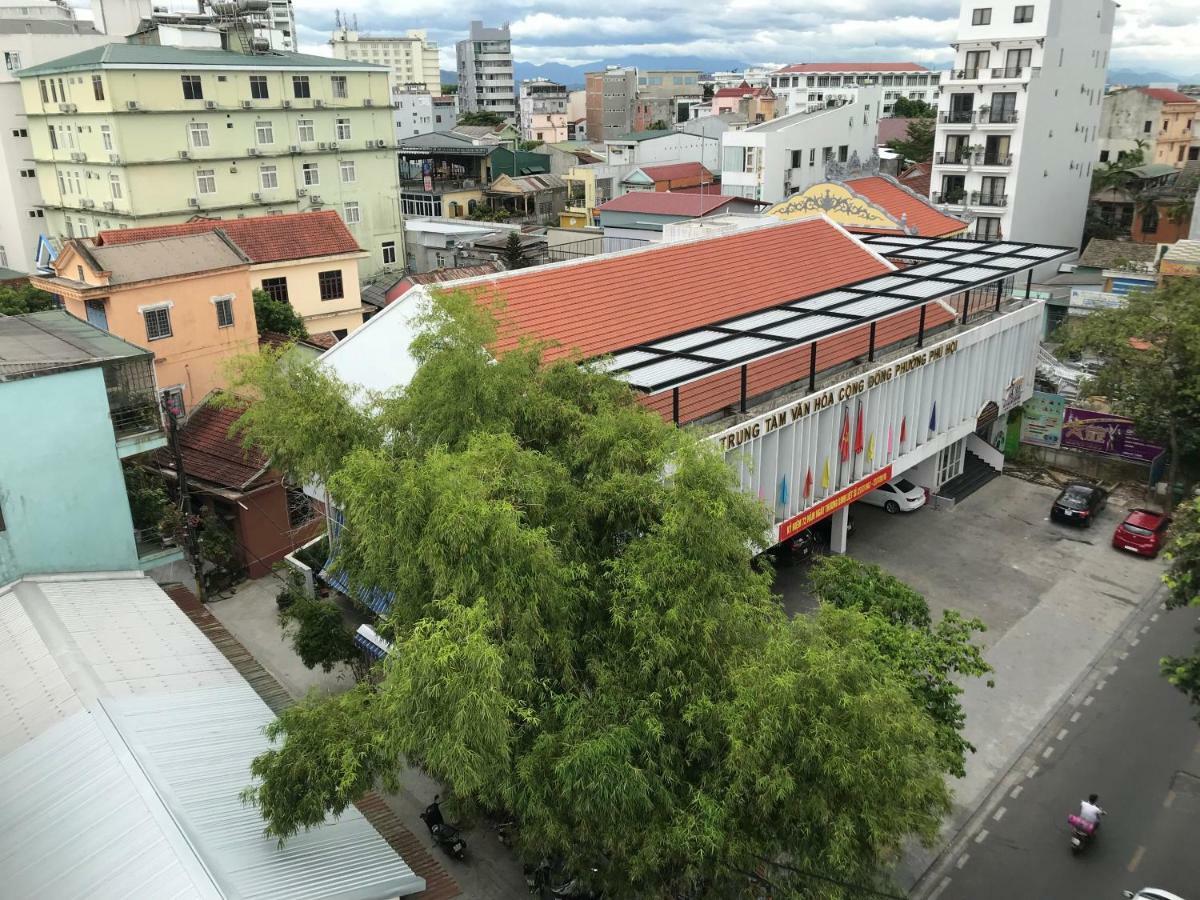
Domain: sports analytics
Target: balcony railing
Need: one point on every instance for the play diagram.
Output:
(997, 116)
(1011, 72)
(950, 198)
(965, 74)
(958, 158)
(958, 117)
(132, 397)
(984, 198)
(993, 159)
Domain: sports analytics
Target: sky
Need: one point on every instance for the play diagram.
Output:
(1151, 34)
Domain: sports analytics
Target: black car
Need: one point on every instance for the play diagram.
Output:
(1079, 503)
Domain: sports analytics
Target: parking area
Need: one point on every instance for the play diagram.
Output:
(1051, 596)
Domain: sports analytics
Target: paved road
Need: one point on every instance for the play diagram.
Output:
(1135, 743)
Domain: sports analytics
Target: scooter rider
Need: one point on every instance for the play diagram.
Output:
(1090, 812)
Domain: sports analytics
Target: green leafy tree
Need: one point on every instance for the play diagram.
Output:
(23, 298)
(317, 631)
(934, 656)
(917, 144)
(1150, 348)
(277, 316)
(1183, 590)
(582, 638)
(905, 107)
(514, 252)
(481, 117)
(658, 125)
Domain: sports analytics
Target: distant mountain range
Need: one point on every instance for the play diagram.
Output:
(572, 76)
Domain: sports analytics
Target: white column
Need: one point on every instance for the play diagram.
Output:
(837, 534)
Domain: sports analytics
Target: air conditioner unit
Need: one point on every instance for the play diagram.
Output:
(88, 204)
(256, 196)
(109, 205)
(114, 158)
(286, 104)
(193, 201)
(131, 104)
(322, 146)
(253, 151)
(368, 102)
(210, 104)
(293, 148)
(183, 154)
(245, 104)
(318, 103)
(314, 200)
(333, 145)
(300, 192)
(67, 107)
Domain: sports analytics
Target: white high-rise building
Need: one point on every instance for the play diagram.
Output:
(485, 71)
(282, 16)
(1018, 117)
(413, 59)
(808, 87)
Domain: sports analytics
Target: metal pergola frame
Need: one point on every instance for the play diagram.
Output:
(938, 268)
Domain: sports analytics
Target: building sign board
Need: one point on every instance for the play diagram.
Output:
(1041, 424)
(1105, 435)
(1081, 299)
(830, 505)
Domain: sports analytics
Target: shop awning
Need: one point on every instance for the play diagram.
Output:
(373, 598)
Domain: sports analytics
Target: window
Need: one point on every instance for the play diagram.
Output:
(338, 82)
(312, 174)
(350, 213)
(20, 132)
(258, 88)
(330, 284)
(389, 253)
(844, 153)
(300, 88)
(114, 185)
(276, 289)
(98, 87)
(349, 175)
(1146, 126)
(12, 61)
(268, 177)
(305, 133)
(1023, 14)
(191, 87)
(53, 138)
(96, 313)
(982, 16)
(812, 156)
(45, 93)
(342, 129)
(264, 133)
(106, 137)
(198, 134)
(64, 186)
(1166, 125)
(172, 400)
(206, 181)
(158, 323)
(797, 158)
(224, 307)
(1103, 156)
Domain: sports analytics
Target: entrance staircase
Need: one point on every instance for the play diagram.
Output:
(975, 474)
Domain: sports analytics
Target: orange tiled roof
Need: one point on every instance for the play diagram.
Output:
(263, 239)
(1166, 95)
(211, 455)
(611, 302)
(670, 171)
(917, 213)
(917, 178)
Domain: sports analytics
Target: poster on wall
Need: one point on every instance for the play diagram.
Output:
(1106, 435)
(1042, 421)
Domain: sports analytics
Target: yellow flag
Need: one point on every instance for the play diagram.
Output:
(825, 475)
(871, 447)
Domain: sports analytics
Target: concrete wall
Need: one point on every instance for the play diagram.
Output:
(62, 492)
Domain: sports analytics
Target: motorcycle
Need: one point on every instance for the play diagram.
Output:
(444, 834)
(1082, 833)
(541, 882)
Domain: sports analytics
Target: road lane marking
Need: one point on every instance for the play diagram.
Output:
(1100, 685)
(1145, 628)
(945, 883)
(962, 860)
(1137, 859)
(1075, 716)
(1135, 642)
(1154, 618)
(1062, 734)
(1000, 813)
(1032, 772)
(1016, 792)
(979, 838)
(1170, 798)
(1046, 754)
(1089, 700)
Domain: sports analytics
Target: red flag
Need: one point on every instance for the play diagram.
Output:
(844, 443)
(903, 429)
(858, 433)
(808, 483)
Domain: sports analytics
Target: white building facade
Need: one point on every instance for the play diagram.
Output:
(412, 58)
(485, 71)
(1018, 117)
(420, 112)
(776, 159)
(808, 87)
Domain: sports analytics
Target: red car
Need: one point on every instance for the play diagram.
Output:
(1143, 532)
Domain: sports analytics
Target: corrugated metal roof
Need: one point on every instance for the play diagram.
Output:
(52, 340)
(127, 738)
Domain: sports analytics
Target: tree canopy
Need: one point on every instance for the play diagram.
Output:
(584, 642)
(906, 107)
(481, 117)
(17, 300)
(514, 252)
(277, 316)
(917, 144)
(1150, 348)
(1183, 590)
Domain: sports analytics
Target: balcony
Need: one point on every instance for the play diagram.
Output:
(1012, 73)
(997, 116)
(986, 198)
(957, 117)
(993, 159)
(950, 198)
(133, 406)
(956, 158)
(966, 74)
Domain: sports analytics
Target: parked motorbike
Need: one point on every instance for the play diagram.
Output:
(544, 881)
(445, 835)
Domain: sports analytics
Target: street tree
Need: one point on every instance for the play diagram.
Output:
(1150, 349)
(23, 298)
(917, 144)
(582, 638)
(1183, 589)
(905, 107)
(277, 316)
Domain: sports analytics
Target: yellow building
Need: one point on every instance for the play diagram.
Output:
(128, 135)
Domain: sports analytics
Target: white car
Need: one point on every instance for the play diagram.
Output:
(898, 495)
(1152, 894)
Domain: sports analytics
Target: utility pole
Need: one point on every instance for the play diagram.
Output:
(191, 537)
